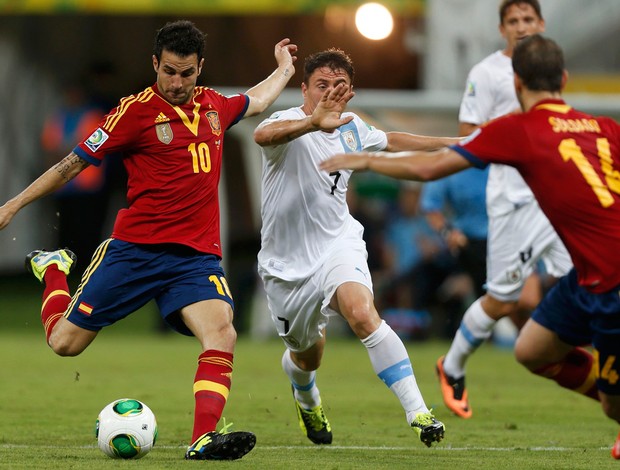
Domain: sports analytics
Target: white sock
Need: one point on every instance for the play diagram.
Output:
(392, 365)
(476, 326)
(304, 383)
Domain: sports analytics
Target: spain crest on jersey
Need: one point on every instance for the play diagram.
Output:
(214, 122)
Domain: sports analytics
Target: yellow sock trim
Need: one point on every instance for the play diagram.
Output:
(209, 386)
(54, 294)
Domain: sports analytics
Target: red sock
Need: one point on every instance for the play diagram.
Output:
(211, 388)
(577, 372)
(56, 298)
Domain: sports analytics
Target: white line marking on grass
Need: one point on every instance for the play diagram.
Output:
(445, 448)
(333, 447)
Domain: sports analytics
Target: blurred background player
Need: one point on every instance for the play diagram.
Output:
(519, 233)
(166, 245)
(455, 207)
(419, 275)
(81, 204)
(313, 260)
(571, 161)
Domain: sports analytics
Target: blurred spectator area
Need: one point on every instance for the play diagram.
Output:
(38, 53)
(397, 83)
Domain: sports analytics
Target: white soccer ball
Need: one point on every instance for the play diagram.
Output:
(126, 429)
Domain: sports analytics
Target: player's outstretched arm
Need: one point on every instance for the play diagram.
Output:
(325, 117)
(64, 171)
(265, 93)
(401, 141)
(418, 166)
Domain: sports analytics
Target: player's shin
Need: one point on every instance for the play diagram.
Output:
(391, 363)
(211, 389)
(56, 299)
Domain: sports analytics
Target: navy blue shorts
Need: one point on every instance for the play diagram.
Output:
(579, 318)
(122, 277)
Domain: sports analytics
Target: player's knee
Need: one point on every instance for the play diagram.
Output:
(526, 356)
(70, 342)
(309, 364)
(64, 347)
(496, 308)
(230, 334)
(308, 360)
(363, 321)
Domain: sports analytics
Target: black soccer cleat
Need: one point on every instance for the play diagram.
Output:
(217, 446)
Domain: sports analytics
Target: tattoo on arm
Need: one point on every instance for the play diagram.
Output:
(66, 168)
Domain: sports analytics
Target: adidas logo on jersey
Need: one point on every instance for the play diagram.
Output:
(161, 118)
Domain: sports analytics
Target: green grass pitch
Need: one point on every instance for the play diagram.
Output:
(48, 405)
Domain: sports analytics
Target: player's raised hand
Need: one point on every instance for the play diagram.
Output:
(285, 52)
(343, 161)
(327, 113)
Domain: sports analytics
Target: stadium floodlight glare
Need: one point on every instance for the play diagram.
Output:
(374, 21)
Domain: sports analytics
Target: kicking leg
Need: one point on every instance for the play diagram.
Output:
(51, 268)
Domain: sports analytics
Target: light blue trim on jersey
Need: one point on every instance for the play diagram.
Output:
(304, 388)
(397, 372)
(345, 130)
(471, 339)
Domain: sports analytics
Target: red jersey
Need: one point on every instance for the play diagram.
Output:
(571, 161)
(173, 158)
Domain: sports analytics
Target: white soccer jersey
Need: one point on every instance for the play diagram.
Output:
(304, 209)
(490, 94)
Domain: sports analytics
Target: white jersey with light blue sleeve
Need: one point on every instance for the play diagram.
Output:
(489, 94)
(304, 209)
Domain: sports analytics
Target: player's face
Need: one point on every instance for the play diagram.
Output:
(321, 80)
(520, 21)
(177, 76)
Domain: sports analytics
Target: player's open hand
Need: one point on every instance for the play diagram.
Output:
(342, 161)
(327, 113)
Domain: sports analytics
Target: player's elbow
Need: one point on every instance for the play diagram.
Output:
(256, 106)
(423, 173)
(262, 136)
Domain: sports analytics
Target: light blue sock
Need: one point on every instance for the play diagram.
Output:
(304, 383)
(391, 363)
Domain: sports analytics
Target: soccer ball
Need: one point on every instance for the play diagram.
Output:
(126, 429)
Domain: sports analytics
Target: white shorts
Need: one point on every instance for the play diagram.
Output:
(300, 309)
(516, 242)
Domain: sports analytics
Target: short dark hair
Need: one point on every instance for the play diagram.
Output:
(181, 37)
(334, 59)
(539, 63)
(503, 7)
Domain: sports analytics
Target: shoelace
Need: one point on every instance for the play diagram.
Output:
(225, 426)
(425, 419)
(317, 419)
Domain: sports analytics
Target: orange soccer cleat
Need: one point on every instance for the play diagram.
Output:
(615, 450)
(453, 391)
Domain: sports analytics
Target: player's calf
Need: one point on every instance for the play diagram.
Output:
(576, 372)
